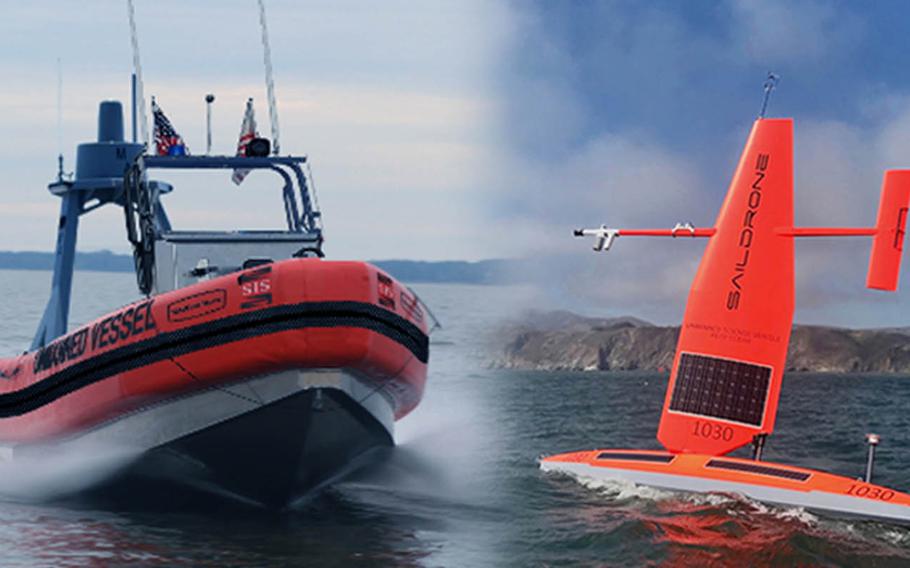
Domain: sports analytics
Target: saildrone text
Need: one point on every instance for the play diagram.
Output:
(747, 232)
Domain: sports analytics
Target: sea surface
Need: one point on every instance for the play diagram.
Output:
(463, 488)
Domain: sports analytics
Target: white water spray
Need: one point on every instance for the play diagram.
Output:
(46, 475)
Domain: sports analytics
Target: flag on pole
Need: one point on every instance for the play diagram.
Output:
(247, 133)
(167, 141)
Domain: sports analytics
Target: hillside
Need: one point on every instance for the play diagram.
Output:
(566, 341)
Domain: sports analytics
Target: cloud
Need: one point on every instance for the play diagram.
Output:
(392, 104)
(776, 32)
(630, 179)
(639, 114)
(839, 171)
(623, 183)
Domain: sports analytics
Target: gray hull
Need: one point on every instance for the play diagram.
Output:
(817, 501)
(267, 442)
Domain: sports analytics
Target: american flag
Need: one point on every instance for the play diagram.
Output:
(247, 133)
(167, 141)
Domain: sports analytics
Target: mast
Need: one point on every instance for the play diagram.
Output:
(60, 174)
(98, 177)
(209, 99)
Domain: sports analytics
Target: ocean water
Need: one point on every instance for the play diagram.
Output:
(462, 488)
(821, 424)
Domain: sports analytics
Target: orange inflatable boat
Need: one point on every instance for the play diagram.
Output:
(251, 368)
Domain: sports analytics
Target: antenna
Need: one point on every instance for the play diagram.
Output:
(59, 120)
(269, 80)
(769, 85)
(137, 70)
(133, 107)
(873, 440)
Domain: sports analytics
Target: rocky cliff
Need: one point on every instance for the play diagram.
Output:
(566, 341)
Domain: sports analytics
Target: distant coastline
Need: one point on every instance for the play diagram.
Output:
(101, 261)
(484, 272)
(559, 340)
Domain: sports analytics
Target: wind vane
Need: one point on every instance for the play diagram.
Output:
(770, 83)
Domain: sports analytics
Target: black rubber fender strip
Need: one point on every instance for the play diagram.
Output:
(212, 334)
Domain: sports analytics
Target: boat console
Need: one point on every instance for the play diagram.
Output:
(167, 258)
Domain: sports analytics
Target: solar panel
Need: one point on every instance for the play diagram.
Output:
(632, 456)
(759, 469)
(721, 388)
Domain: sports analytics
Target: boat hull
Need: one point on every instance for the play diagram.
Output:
(763, 481)
(266, 442)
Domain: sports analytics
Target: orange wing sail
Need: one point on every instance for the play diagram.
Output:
(729, 361)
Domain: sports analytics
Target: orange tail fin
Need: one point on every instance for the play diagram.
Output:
(885, 260)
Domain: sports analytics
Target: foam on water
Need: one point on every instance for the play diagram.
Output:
(47, 475)
(622, 489)
(896, 536)
(798, 514)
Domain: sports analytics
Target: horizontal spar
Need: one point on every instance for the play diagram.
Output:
(827, 231)
(604, 236)
(685, 232)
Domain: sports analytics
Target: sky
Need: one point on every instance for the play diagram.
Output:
(470, 129)
(634, 114)
(393, 107)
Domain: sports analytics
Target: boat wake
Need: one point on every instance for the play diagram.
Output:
(50, 475)
(621, 491)
(624, 490)
(780, 512)
(738, 525)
